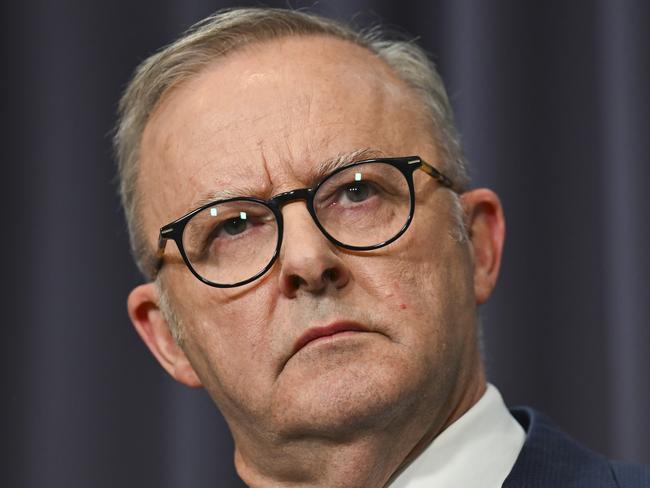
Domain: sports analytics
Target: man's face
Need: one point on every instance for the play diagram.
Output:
(262, 119)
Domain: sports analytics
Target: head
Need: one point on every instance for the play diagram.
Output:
(256, 101)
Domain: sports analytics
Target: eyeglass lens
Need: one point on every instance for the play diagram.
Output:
(364, 205)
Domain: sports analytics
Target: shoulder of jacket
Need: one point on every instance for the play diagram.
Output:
(630, 475)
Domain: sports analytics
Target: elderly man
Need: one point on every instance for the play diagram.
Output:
(328, 260)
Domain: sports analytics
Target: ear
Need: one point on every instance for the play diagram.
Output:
(486, 230)
(154, 330)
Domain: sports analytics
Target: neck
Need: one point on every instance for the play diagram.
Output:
(370, 459)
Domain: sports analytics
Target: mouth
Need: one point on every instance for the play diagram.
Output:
(320, 333)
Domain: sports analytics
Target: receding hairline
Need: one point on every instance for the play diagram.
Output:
(260, 44)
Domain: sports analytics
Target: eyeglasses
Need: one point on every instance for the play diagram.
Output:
(361, 206)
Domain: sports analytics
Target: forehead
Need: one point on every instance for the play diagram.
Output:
(263, 118)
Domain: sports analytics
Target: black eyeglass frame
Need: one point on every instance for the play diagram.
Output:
(406, 165)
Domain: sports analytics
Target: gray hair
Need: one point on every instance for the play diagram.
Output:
(229, 30)
(168, 310)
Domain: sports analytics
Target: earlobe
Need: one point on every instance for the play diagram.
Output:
(486, 230)
(153, 328)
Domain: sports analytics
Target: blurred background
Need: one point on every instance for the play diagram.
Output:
(552, 100)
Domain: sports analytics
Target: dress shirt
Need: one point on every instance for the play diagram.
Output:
(477, 451)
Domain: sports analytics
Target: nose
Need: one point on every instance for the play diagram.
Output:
(308, 260)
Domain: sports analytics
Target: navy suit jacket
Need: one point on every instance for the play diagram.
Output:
(551, 459)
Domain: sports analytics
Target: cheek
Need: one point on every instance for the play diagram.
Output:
(384, 283)
(226, 338)
(422, 292)
(397, 296)
(234, 364)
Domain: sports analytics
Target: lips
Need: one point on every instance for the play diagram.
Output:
(329, 330)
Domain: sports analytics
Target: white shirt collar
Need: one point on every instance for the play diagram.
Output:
(477, 451)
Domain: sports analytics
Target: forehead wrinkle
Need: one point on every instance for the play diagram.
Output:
(241, 181)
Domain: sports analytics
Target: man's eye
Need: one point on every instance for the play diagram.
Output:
(357, 192)
(231, 227)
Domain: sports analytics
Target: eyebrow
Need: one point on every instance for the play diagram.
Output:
(224, 194)
(326, 167)
(322, 169)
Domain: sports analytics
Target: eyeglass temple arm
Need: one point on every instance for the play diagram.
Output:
(441, 178)
(162, 243)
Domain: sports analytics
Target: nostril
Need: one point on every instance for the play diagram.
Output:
(330, 274)
(296, 282)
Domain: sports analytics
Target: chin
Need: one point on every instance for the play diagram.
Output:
(338, 396)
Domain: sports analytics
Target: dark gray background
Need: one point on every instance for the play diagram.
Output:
(552, 99)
